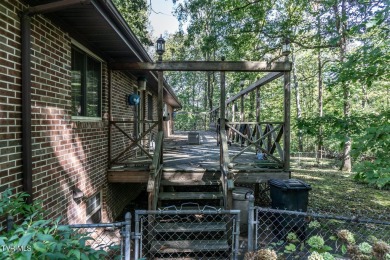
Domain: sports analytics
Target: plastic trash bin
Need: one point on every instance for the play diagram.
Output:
(241, 202)
(292, 195)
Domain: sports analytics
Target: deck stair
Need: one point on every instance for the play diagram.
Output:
(194, 236)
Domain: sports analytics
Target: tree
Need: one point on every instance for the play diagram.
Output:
(135, 13)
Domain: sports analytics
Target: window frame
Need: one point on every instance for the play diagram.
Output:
(95, 210)
(75, 46)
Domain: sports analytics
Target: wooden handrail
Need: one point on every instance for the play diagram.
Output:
(132, 121)
(157, 151)
(257, 123)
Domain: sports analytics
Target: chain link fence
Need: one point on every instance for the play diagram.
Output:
(296, 235)
(206, 233)
(114, 238)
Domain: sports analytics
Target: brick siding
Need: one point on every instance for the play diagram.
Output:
(66, 153)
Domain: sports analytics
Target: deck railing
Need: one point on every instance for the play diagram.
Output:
(135, 142)
(264, 137)
(155, 172)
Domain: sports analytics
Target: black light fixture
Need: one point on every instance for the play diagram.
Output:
(160, 48)
(77, 193)
(286, 48)
(141, 81)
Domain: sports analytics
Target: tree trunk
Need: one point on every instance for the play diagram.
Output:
(297, 102)
(342, 22)
(320, 92)
(365, 96)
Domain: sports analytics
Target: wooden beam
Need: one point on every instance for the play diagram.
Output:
(261, 82)
(128, 176)
(237, 66)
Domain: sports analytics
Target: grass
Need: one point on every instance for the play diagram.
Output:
(336, 193)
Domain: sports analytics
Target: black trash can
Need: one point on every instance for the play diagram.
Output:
(292, 195)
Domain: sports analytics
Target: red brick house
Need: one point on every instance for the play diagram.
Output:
(58, 99)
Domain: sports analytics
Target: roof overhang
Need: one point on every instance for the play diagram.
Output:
(98, 25)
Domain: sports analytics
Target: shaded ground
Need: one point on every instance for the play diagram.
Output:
(334, 192)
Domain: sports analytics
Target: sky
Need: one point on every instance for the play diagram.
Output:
(161, 17)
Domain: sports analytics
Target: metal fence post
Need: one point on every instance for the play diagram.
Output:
(251, 205)
(236, 234)
(127, 235)
(10, 223)
(136, 236)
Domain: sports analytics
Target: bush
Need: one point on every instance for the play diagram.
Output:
(37, 238)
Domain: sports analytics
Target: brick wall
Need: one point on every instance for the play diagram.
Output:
(66, 153)
(10, 94)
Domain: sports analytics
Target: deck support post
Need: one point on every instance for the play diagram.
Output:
(287, 104)
(223, 147)
(142, 113)
(160, 107)
(222, 104)
(258, 130)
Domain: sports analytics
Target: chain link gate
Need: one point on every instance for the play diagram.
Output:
(206, 233)
(114, 238)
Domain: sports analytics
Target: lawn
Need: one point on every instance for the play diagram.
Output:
(336, 193)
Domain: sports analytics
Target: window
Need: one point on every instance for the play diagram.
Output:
(86, 85)
(94, 212)
(150, 107)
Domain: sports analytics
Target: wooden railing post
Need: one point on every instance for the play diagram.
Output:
(160, 106)
(155, 173)
(287, 104)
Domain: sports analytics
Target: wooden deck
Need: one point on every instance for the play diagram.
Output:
(198, 164)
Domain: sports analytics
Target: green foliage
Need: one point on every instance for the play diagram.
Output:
(341, 243)
(13, 204)
(373, 148)
(37, 238)
(136, 15)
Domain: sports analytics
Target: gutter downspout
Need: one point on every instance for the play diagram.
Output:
(26, 85)
(26, 106)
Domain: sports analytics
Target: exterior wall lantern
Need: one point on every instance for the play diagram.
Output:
(160, 48)
(141, 81)
(77, 194)
(286, 48)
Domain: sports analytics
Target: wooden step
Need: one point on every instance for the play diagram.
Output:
(190, 195)
(188, 177)
(188, 246)
(191, 227)
(180, 182)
